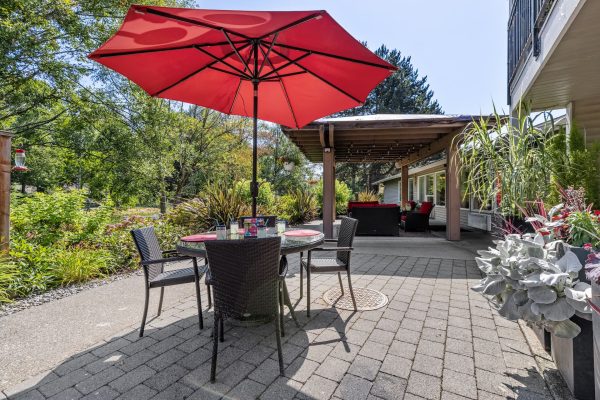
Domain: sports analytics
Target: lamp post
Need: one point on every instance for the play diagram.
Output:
(5, 169)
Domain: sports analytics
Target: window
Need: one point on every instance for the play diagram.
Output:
(411, 189)
(440, 189)
(429, 188)
(421, 187)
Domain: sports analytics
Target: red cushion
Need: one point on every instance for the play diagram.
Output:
(403, 217)
(352, 204)
(426, 207)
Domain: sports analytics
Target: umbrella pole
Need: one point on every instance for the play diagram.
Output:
(254, 184)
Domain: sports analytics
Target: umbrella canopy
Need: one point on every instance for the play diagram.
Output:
(287, 67)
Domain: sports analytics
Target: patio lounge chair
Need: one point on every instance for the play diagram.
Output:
(417, 221)
(341, 263)
(180, 269)
(246, 281)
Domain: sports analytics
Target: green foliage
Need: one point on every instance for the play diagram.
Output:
(78, 265)
(343, 194)
(584, 228)
(265, 202)
(575, 165)
(367, 196)
(508, 160)
(298, 207)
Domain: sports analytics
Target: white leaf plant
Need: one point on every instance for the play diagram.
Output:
(530, 279)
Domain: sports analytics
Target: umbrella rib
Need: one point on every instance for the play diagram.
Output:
(237, 92)
(236, 50)
(321, 53)
(192, 21)
(194, 73)
(131, 52)
(283, 76)
(319, 77)
(292, 24)
(222, 61)
(285, 93)
(266, 56)
(284, 66)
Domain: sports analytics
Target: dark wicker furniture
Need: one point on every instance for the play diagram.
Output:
(245, 278)
(339, 263)
(376, 220)
(180, 269)
(417, 221)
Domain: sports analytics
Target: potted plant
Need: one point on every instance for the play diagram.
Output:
(592, 269)
(532, 278)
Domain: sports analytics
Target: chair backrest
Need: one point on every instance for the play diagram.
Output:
(346, 238)
(426, 207)
(270, 220)
(147, 245)
(244, 275)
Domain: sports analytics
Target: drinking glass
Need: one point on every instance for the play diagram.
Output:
(221, 232)
(281, 224)
(262, 231)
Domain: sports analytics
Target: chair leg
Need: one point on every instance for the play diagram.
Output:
(199, 302)
(279, 351)
(280, 298)
(221, 333)
(209, 296)
(160, 302)
(145, 311)
(288, 302)
(213, 366)
(351, 291)
(341, 285)
(308, 292)
(301, 277)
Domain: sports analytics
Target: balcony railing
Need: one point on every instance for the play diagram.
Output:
(525, 22)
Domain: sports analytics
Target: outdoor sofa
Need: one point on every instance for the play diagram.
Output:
(375, 219)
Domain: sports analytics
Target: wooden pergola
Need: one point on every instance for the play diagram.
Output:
(404, 139)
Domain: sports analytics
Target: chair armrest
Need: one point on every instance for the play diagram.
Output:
(169, 252)
(330, 240)
(332, 249)
(164, 260)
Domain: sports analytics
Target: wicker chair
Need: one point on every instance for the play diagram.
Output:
(341, 263)
(270, 220)
(246, 280)
(180, 269)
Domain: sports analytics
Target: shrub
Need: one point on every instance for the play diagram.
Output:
(368, 196)
(78, 265)
(265, 202)
(298, 206)
(342, 196)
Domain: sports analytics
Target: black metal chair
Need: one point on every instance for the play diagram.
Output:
(340, 263)
(270, 220)
(180, 269)
(246, 280)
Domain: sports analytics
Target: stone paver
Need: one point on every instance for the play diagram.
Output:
(435, 339)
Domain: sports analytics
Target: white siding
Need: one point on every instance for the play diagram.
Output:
(390, 192)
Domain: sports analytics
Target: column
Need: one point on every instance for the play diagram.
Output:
(5, 168)
(452, 195)
(328, 191)
(404, 181)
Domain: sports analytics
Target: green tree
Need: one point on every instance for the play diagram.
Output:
(403, 92)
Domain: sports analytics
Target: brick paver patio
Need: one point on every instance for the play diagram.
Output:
(435, 339)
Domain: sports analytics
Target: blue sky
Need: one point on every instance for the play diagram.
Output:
(460, 45)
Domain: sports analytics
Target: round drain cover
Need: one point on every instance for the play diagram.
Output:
(366, 299)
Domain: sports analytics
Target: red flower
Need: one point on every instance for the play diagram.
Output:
(588, 246)
(597, 213)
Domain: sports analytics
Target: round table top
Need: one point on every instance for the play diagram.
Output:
(289, 244)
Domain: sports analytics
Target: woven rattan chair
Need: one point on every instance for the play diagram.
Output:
(179, 269)
(340, 263)
(270, 220)
(246, 280)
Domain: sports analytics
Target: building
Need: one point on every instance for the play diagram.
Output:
(554, 59)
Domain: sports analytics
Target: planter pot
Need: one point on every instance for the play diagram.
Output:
(574, 359)
(543, 336)
(596, 325)
(582, 254)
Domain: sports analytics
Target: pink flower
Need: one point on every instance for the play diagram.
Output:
(588, 246)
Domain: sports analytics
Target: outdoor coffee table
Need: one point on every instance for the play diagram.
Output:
(292, 241)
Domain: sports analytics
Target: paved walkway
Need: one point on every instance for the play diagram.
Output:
(435, 339)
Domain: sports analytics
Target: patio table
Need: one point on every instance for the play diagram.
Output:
(290, 243)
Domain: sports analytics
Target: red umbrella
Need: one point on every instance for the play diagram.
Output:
(303, 63)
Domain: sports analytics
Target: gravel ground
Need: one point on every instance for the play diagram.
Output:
(59, 293)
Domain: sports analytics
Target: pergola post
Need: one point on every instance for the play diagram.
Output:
(5, 168)
(328, 191)
(452, 194)
(404, 181)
